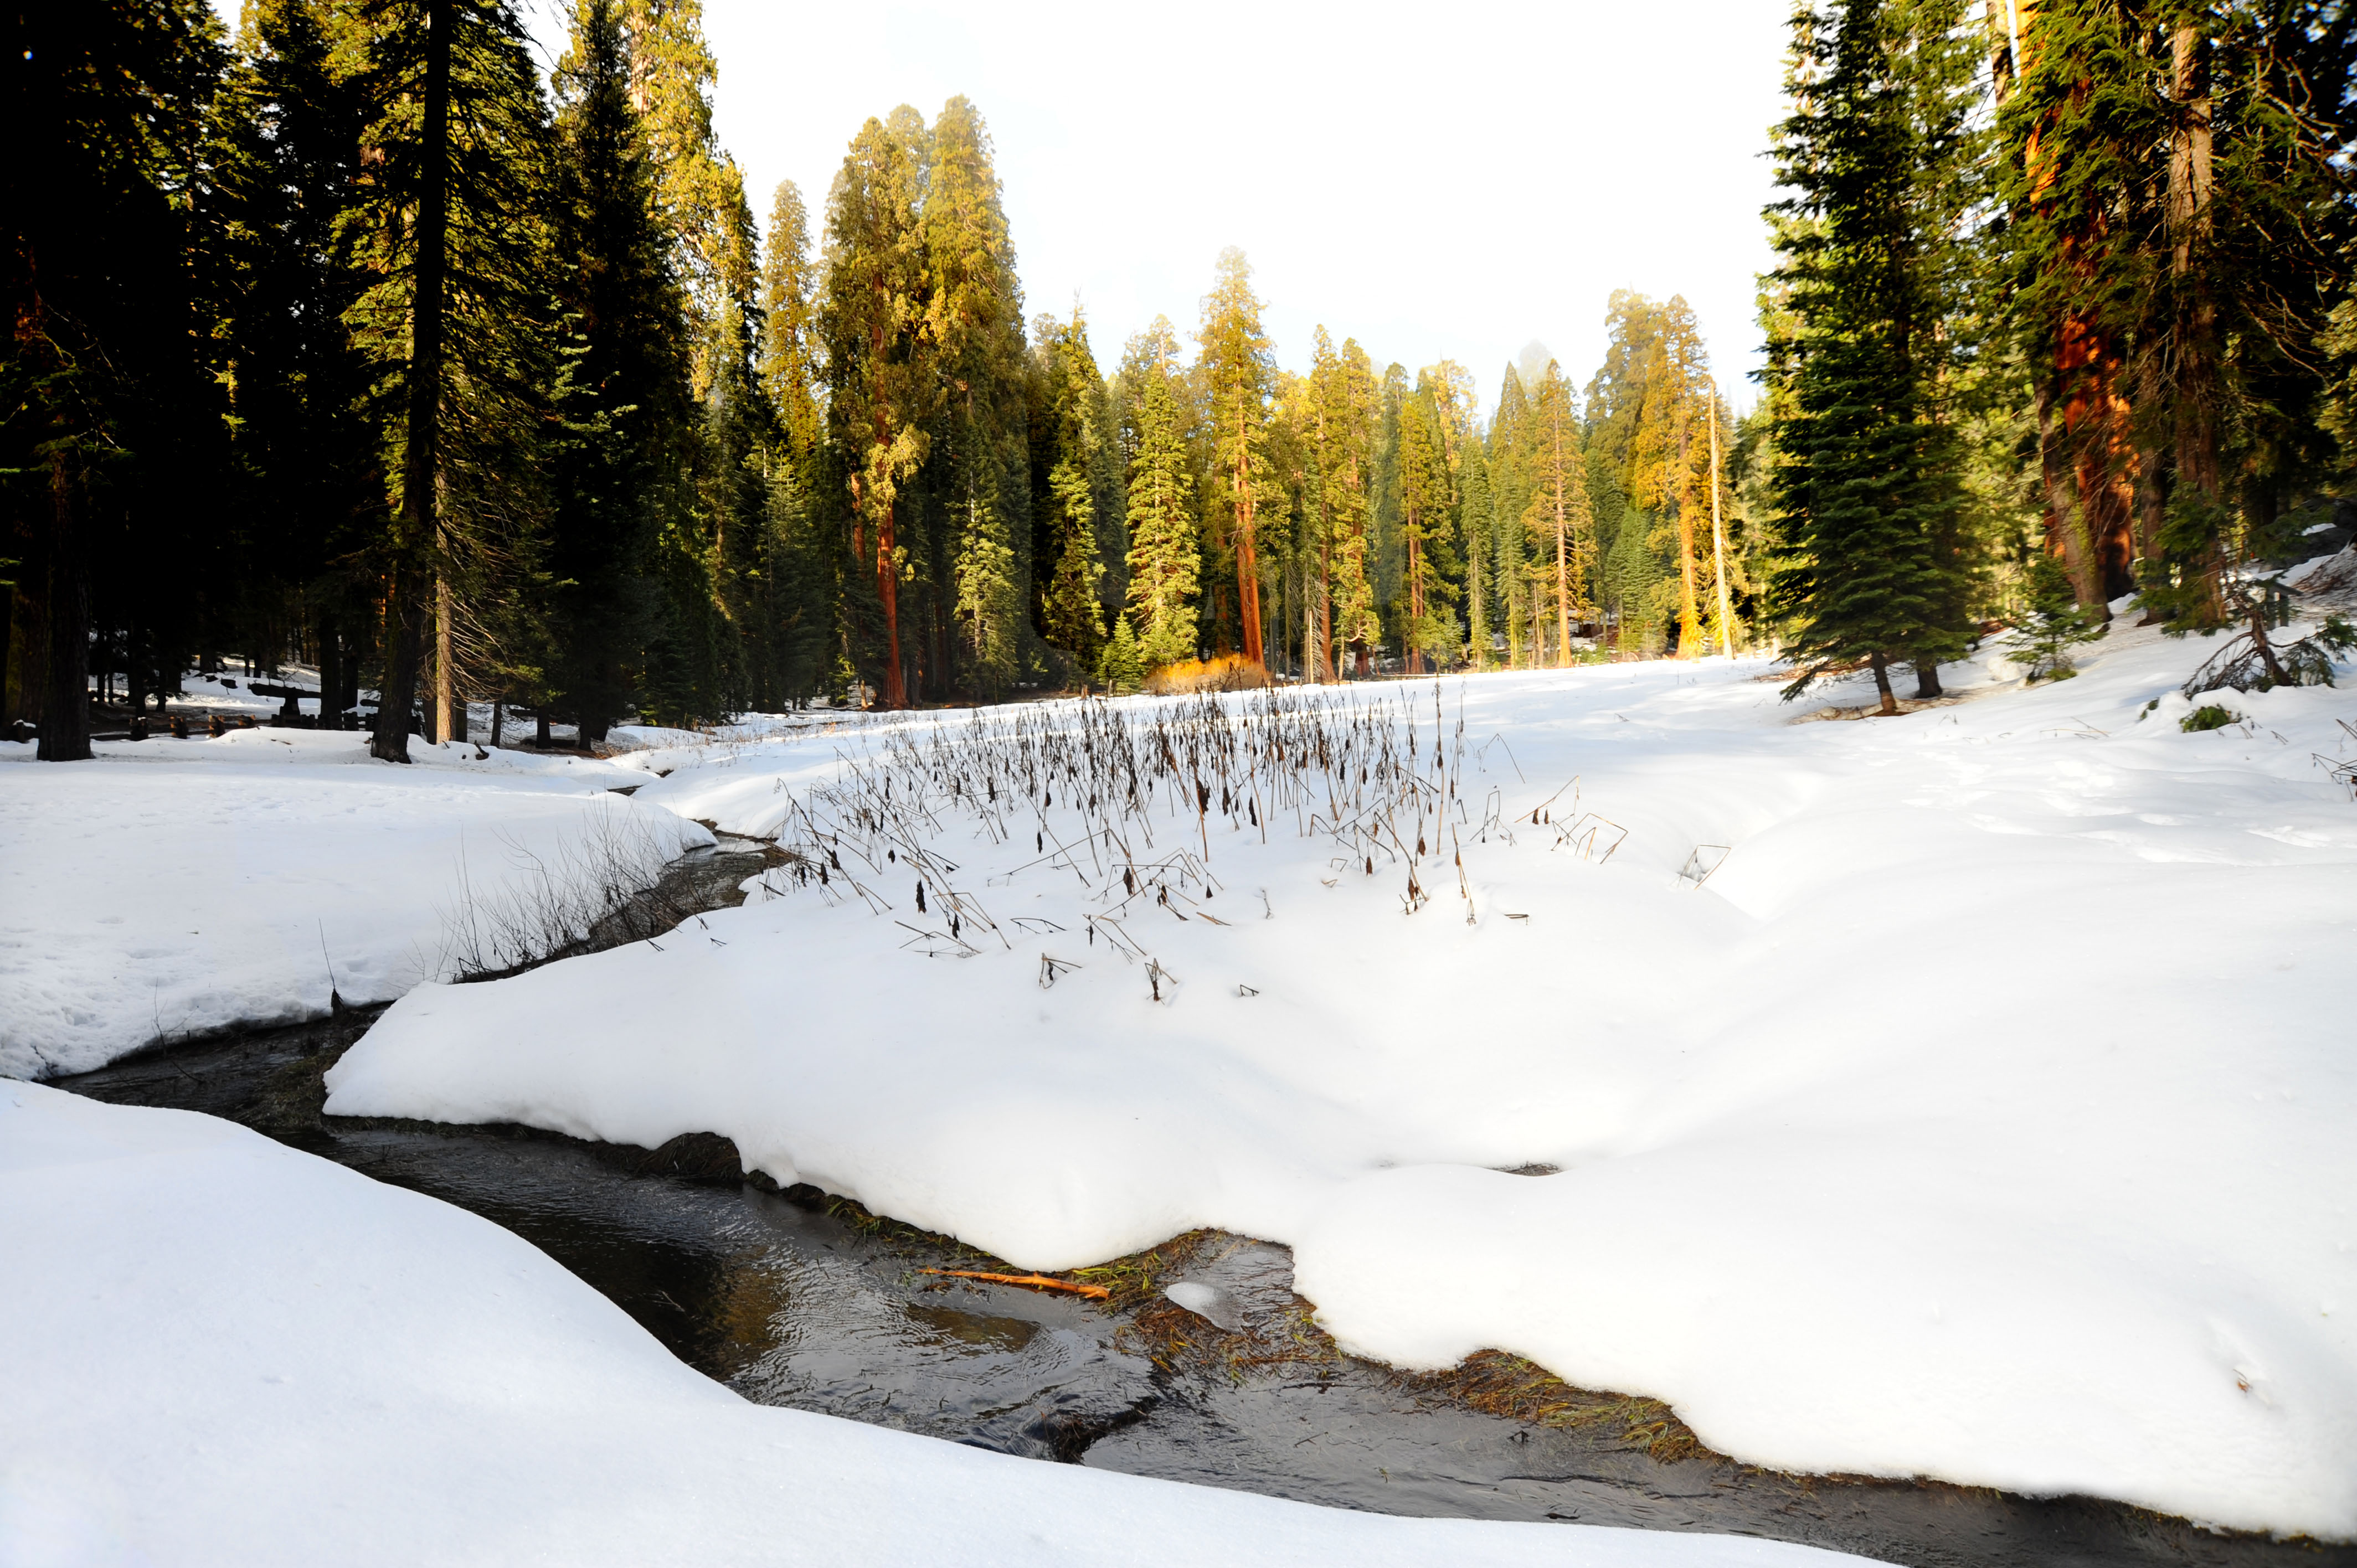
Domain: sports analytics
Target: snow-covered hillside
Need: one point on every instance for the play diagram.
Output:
(1983, 1114)
(219, 1351)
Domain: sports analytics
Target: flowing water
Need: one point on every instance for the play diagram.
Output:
(791, 1300)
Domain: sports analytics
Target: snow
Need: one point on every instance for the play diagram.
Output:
(218, 1350)
(166, 888)
(1984, 1116)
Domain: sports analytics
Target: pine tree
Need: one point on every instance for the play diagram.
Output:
(976, 317)
(1557, 520)
(305, 448)
(110, 437)
(1070, 445)
(1342, 422)
(1426, 525)
(882, 373)
(450, 223)
(2052, 622)
(1509, 464)
(623, 398)
(1239, 373)
(1165, 565)
(1867, 483)
(1122, 667)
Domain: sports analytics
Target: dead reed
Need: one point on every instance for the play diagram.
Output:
(1122, 797)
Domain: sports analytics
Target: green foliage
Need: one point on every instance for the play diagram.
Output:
(1164, 562)
(1121, 668)
(2208, 717)
(1870, 503)
(2053, 623)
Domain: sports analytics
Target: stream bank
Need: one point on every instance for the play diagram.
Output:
(791, 1298)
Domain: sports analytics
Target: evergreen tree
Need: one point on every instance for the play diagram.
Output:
(1342, 423)
(2052, 622)
(311, 491)
(1070, 444)
(801, 569)
(1509, 465)
(982, 475)
(1122, 667)
(110, 435)
(448, 222)
(882, 366)
(1428, 625)
(1557, 520)
(623, 398)
(1164, 566)
(1239, 373)
(1868, 485)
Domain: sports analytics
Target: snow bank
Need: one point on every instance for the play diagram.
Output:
(1986, 1116)
(170, 887)
(218, 1350)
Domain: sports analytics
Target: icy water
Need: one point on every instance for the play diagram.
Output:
(792, 1304)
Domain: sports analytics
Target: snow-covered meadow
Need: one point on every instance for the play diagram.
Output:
(170, 887)
(217, 1350)
(1983, 1113)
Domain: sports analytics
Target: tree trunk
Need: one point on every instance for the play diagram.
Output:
(888, 589)
(1927, 679)
(1718, 548)
(1889, 703)
(405, 611)
(1247, 558)
(449, 719)
(2063, 534)
(2197, 388)
(65, 705)
(331, 673)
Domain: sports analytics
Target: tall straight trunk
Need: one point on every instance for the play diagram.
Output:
(331, 673)
(1689, 617)
(1415, 655)
(405, 608)
(1325, 608)
(888, 589)
(1718, 546)
(65, 707)
(2064, 537)
(2197, 390)
(1562, 590)
(446, 727)
(1886, 702)
(1247, 558)
(1475, 625)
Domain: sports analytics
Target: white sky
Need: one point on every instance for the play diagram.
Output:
(1442, 180)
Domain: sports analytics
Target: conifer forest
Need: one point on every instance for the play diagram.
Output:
(1014, 854)
(349, 338)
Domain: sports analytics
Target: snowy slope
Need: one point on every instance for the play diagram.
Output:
(1986, 1116)
(170, 888)
(220, 1351)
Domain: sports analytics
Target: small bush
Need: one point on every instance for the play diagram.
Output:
(1227, 673)
(2210, 715)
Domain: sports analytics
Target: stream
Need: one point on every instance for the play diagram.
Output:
(793, 1299)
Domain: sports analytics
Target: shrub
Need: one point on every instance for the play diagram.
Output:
(1227, 673)
(2210, 715)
